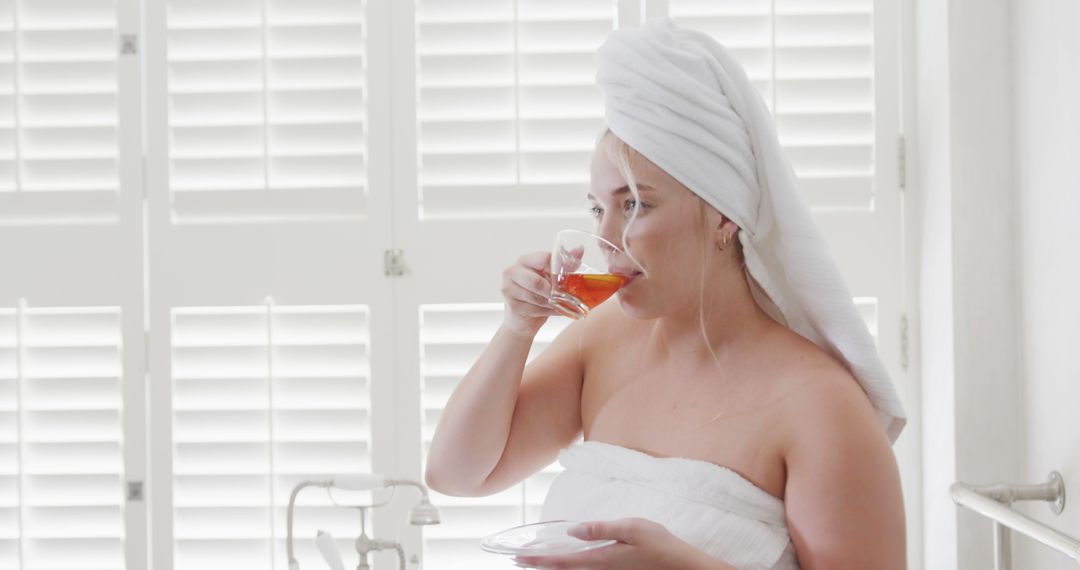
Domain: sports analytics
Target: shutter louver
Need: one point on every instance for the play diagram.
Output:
(267, 109)
(508, 109)
(452, 337)
(58, 111)
(61, 446)
(813, 62)
(265, 397)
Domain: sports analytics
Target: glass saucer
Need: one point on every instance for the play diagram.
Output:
(547, 538)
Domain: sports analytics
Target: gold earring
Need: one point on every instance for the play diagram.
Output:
(724, 243)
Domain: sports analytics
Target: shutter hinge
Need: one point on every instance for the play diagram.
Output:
(394, 263)
(903, 342)
(134, 490)
(902, 166)
(129, 44)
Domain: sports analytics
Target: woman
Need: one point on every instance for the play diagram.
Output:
(734, 410)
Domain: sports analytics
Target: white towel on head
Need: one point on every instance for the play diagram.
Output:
(680, 99)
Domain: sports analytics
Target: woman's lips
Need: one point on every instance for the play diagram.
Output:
(630, 274)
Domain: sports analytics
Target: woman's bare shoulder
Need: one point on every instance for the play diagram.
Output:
(827, 399)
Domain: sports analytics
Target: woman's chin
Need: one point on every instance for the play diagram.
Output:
(630, 305)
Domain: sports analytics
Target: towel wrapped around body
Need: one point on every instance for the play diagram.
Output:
(711, 507)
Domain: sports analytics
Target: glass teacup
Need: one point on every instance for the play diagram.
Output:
(586, 270)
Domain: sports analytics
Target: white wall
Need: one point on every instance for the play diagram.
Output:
(996, 105)
(1046, 79)
(929, 202)
(964, 199)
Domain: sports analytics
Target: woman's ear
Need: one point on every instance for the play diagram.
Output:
(725, 231)
(723, 228)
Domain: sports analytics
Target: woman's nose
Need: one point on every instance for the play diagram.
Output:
(611, 229)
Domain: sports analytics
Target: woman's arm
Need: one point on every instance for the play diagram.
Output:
(475, 421)
(844, 503)
(506, 420)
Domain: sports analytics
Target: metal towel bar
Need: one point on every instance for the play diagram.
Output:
(994, 502)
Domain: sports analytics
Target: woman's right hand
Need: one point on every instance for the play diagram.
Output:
(526, 286)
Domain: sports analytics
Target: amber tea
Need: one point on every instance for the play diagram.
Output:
(592, 288)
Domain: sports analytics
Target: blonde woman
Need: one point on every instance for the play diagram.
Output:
(734, 411)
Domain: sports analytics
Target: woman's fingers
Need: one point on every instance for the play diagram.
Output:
(538, 261)
(536, 289)
(526, 289)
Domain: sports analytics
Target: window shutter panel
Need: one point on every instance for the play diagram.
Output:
(263, 398)
(267, 109)
(59, 147)
(61, 445)
(508, 107)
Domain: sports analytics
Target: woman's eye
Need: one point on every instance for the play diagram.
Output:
(630, 205)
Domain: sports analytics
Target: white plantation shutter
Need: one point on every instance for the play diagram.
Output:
(265, 397)
(458, 133)
(71, 330)
(508, 109)
(267, 109)
(263, 185)
(452, 337)
(59, 124)
(61, 442)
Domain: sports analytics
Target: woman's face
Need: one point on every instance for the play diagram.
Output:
(666, 237)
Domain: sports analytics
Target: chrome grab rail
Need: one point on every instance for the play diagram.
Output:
(994, 502)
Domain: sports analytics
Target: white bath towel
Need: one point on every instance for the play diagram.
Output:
(708, 506)
(681, 100)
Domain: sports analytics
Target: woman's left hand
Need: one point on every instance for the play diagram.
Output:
(642, 544)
